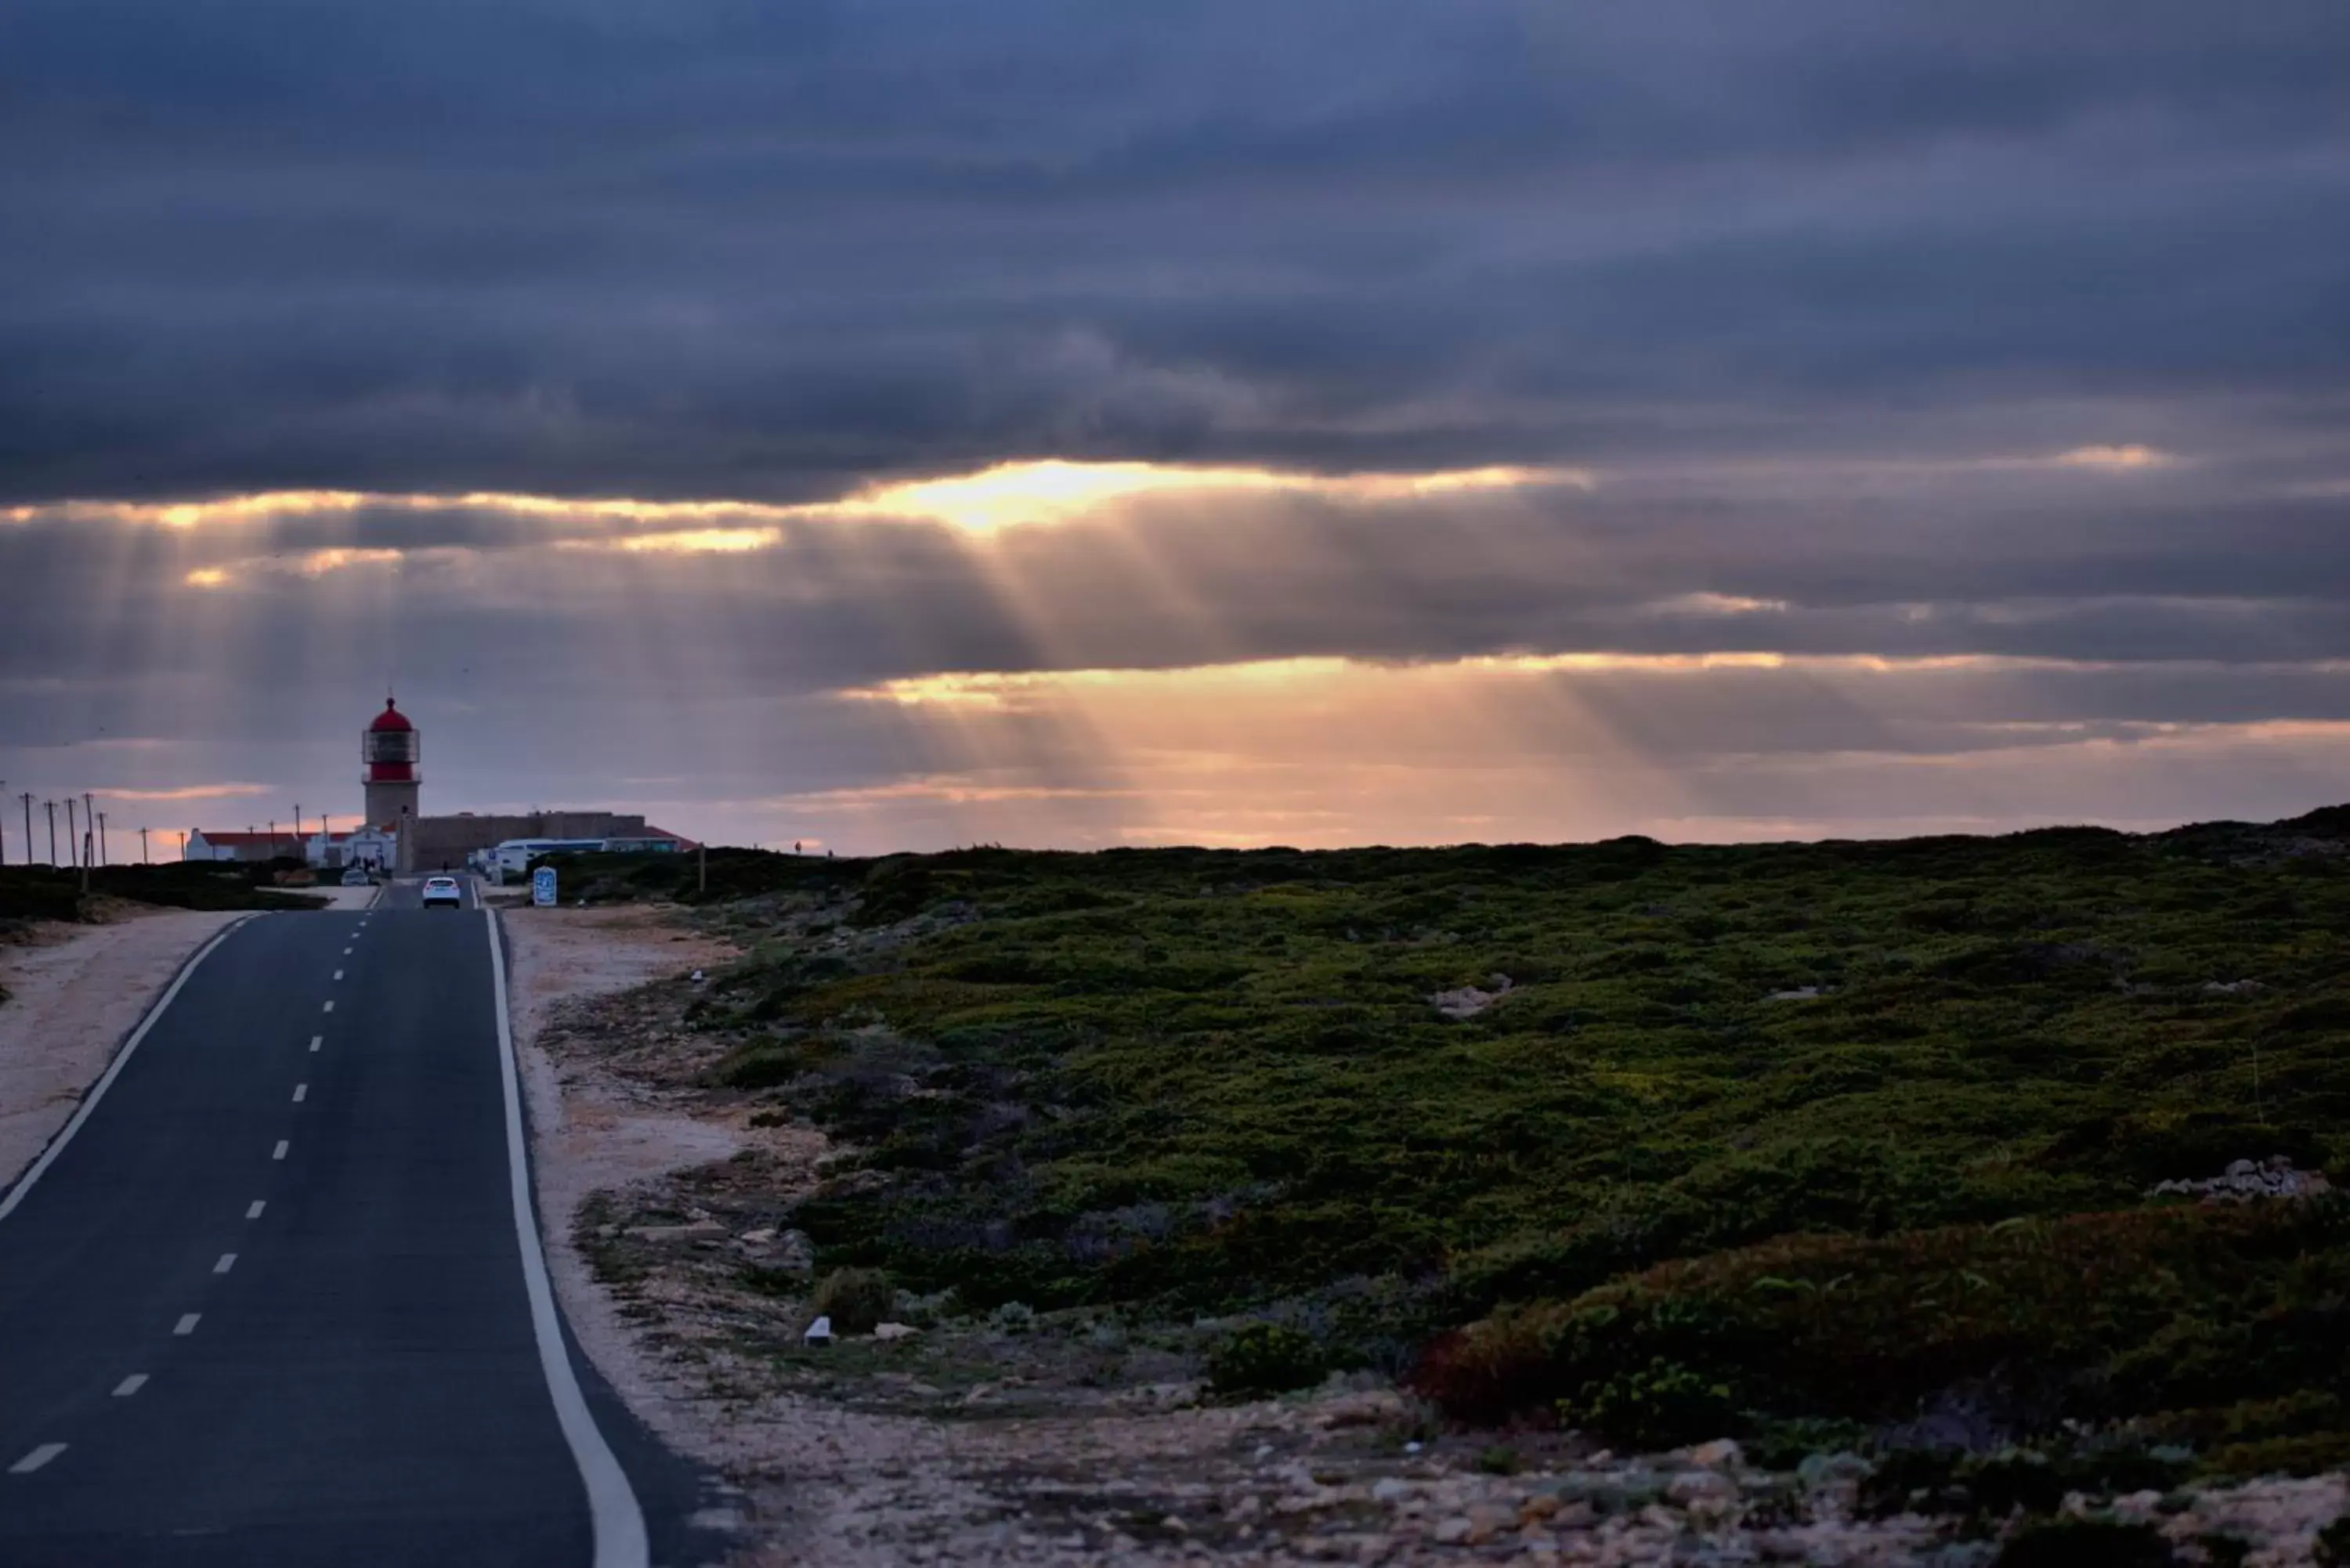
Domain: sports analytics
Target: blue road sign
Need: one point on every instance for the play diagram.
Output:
(542, 886)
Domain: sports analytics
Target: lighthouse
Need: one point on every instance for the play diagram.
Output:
(390, 749)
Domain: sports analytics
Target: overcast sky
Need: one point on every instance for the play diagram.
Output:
(885, 424)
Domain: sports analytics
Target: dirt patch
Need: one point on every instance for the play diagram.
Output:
(74, 994)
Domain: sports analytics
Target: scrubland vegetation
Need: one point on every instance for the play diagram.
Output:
(1815, 1144)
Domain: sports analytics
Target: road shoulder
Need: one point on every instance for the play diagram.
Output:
(590, 1133)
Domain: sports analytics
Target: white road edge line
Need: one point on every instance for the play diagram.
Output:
(253, 1210)
(618, 1522)
(279, 1152)
(36, 1459)
(16, 1194)
(228, 1261)
(130, 1386)
(187, 1324)
(301, 1093)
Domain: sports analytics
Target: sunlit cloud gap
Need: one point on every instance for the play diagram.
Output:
(1007, 689)
(1003, 495)
(1006, 495)
(2114, 457)
(190, 791)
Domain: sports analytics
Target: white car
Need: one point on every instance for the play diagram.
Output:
(443, 891)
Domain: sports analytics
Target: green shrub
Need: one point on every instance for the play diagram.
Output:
(1501, 1460)
(1664, 1405)
(1265, 1358)
(1783, 1443)
(856, 1300)
(2116, 1315)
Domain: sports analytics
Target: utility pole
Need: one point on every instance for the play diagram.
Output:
(27, 798)
(183, 847)
(3, 832)
(142, 848)
(73, 834)
(701, 869)
(299, 853)
(51, 807)
(89, 828)
(105, 855)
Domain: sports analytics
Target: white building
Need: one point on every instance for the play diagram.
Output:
(377, 848)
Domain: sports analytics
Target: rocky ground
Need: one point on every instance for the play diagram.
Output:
(1076, 1438)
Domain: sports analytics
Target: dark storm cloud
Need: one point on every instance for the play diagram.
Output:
(674, 249)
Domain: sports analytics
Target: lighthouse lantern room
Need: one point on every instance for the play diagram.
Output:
(390, 750)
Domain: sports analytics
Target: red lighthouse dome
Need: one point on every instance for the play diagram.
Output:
(390, 748)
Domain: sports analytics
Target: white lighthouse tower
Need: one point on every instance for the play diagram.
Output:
(390, 750)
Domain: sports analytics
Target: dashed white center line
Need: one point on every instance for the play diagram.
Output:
(301, 1093)
(330, 1007)
(280, 1151)
(339, 974)
(130, 1386)
(187, 1324)
(253, 1210)
(346, 952)
(227, 1262)
(36, 1459)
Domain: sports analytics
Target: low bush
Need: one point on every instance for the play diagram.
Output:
(1265, 1358)
(2142, 1314)
(1663, 1404)
(856, 1300)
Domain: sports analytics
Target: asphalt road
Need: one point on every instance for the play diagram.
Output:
(409, 893)
(269, 1302)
